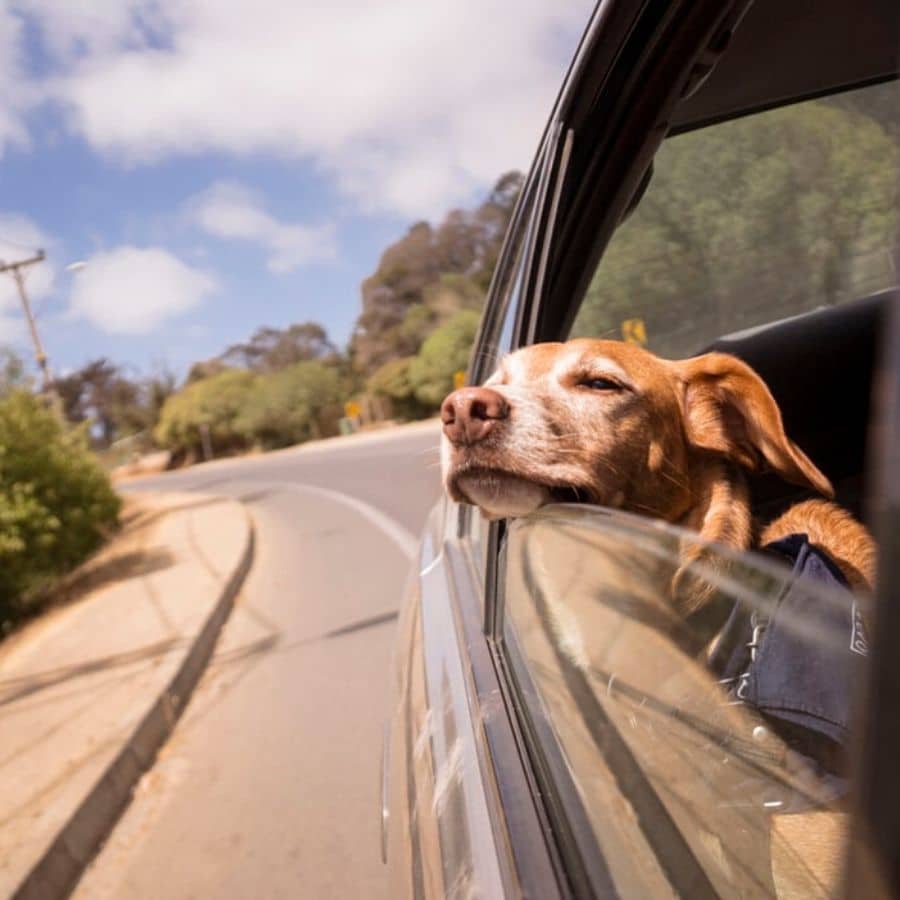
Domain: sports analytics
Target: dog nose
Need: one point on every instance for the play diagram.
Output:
(470, 414)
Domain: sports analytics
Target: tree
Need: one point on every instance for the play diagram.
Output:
(748, 221)
(206, 368)
(13, 372)
(100, 393)
(445, 352)
(113, 404)
(428, 276)
(214, 403)
(392, 381)
(271, 349)
(292, 405)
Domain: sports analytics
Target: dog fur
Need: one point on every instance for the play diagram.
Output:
(613, 424)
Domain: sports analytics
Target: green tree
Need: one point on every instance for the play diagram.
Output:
(428, 276)
(56, 503)
(295, 404)
(749, 221)
(392, 380)
(445, 352)
(215, 403)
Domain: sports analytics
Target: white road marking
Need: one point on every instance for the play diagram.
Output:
(403, 538)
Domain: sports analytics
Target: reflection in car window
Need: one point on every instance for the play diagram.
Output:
(753, 220)
(707, 755)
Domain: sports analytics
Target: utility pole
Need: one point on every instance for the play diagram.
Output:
(15, 269)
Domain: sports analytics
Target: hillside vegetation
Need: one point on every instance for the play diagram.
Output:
(420, 312)
(742, 223)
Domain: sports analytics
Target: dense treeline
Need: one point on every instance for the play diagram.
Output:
(756, 219)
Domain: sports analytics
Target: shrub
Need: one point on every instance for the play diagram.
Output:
(445, 351)
(215, 402)
(391, 380)
(56, 503)
(295, 404)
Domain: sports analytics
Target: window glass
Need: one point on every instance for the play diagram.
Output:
(705, 754)
(497, 341)
(753, 220)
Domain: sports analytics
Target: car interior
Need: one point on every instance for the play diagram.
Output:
(821, 367)
(821, 364)
(820, 357)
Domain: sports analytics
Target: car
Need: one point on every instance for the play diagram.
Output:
(714, 175)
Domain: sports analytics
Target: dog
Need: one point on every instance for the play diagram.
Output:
(612, 424)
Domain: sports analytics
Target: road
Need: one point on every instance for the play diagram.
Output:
(269, 786)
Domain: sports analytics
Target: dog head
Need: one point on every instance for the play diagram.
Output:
(610, 423)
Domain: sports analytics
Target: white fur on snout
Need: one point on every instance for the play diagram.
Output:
(501, 496)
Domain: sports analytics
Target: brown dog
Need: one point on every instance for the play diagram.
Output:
(612, 424)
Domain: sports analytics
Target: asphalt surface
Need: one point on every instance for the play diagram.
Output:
(270, 785)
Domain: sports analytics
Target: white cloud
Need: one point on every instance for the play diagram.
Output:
(408, 106)
(133, 290)
(15, 92)
(232, 211)
(70, 29)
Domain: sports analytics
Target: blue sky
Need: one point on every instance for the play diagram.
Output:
(221, 165)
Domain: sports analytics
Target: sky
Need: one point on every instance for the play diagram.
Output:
(219, 165)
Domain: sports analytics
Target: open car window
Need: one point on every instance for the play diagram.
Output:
(754, 220)
(684, 755)
(706, 755)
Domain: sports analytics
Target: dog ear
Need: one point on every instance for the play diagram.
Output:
(729, 410)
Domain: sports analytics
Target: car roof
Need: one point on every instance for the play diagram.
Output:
(786, 51)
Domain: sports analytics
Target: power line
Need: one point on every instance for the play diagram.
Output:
(17, 245)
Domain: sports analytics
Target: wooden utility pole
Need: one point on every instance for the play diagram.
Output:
(15, 269)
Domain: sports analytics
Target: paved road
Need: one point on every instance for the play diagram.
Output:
(270, 785)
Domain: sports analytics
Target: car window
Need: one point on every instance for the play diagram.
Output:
(497, 339)
(754, 220)
(476, 525)
(688, 755)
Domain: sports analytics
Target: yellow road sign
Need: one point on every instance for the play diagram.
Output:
(634, 331)
(352, 409)
(459, 380)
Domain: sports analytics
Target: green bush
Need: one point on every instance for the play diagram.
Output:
(295, 404)
(444, 352)
(243, 409)
(56, 503)
(216, 402)
(391, 380)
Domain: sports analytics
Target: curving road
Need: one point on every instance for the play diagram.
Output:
(269, 786)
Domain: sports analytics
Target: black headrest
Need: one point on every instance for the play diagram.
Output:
(819, 367)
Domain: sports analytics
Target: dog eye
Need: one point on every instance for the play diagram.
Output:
(601, 384)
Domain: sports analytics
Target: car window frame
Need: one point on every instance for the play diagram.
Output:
(516, 283)
(530, 839)
(570, 251)
(585, 859)
(875, 813)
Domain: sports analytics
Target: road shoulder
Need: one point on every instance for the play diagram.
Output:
(89, 694)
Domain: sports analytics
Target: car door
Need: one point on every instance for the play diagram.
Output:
(483, 796)
(653, 783)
